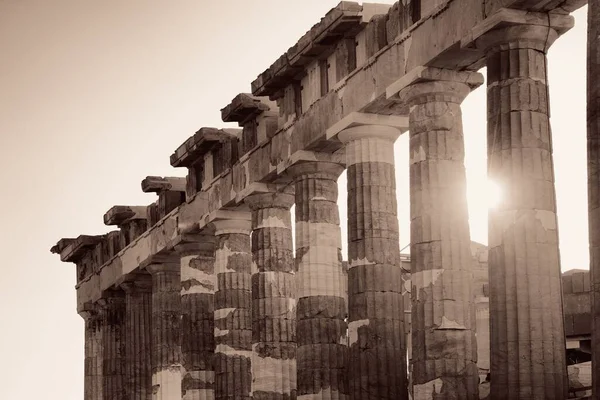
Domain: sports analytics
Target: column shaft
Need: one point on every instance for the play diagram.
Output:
(593, 154)
(233, 311)
(377, 355)
(197, 303)
(113, 336)
(138, 338)
(93, 356)
(166, 317)
(526, 317)
(273, 298)
(444, 353)
(322, 284)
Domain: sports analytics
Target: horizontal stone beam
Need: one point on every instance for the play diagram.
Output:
(117, 215)
(157, 184)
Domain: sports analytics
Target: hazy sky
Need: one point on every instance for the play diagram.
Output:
(95, 95)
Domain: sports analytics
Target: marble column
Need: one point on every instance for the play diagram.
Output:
(526, 313)
(593, 155)
(166, 324)
(197, 307)
(113, 349)
(138, 337)
(93, 354)
(444, 353)
(321, 282)
(377, 354)
(233, 310)
(273, 298)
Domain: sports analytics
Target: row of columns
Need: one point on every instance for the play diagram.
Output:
(258, 323)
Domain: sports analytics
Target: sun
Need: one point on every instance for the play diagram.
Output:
(493, 194)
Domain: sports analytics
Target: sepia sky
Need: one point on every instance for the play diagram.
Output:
(95, 95)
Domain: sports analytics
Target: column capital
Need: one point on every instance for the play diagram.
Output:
(283, 197)
(535, 37)
(228, 226)
(89, 310)
(512, 28)
(425, 84)
(369, 131)
(163, 267)
(258, 201)
(204, 246)
(140, 283)
(432, 91)
(166, 257)
(357, 125)
(111, 297)
(303, 162)
(230, 221)
(316, 169)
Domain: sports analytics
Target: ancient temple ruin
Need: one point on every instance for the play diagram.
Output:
(201, 294)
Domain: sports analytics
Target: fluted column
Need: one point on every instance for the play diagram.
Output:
(444, 353)
(321, 282)
(166, 317)
(138, 337)
(526, 315)
(93, 354)
(197, 307)
(113, 349)
(233, 309)
(273, 298)
(377, 354)
(593, 155)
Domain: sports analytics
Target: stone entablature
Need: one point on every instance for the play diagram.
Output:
(364, 89)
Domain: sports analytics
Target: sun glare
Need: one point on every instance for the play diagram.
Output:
(493, 194)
